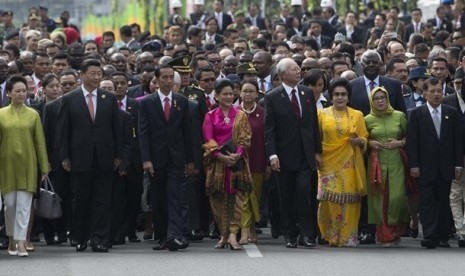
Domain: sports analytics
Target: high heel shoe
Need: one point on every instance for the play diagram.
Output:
(13, 252)
(29, 246)
(235, 247)
(220, 245)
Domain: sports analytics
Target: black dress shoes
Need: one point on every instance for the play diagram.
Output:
(429, 244)
(461, 242)
(162, 245)
(4, 244)
(133, 239)
(291, 243)
(444, 244)
(81, 247)
(214, 235)
(196, 235)
(101, 248)
(307, 242)
(367, 238)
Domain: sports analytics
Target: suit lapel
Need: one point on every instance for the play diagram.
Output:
(100, 102)
(303, 100)
(158, 106)
(81, 100)
(286, 100)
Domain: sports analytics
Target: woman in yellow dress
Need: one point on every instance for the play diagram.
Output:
(342, 178)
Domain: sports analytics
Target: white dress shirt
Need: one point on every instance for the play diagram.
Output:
(123, 103)
(367, 84)
(162, 98)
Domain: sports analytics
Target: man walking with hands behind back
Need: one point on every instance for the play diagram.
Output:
(434, 147)
(293, 146)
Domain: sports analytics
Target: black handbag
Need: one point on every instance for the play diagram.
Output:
(230, 147)
(48, 205)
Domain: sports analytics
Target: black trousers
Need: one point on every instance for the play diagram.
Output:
(92, 205)
(61, 184)
(198, 204)
(295, 202)
(126, 197)
(169, 190)
(434, 208)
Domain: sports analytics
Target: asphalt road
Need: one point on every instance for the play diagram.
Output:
(269, 257)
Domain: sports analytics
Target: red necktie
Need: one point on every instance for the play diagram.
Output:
(120, 104)
(295, 103)
(207, 101)
(167, 108)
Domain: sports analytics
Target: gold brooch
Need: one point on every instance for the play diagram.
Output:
(446, 117)
(103, 96)
(302, 93)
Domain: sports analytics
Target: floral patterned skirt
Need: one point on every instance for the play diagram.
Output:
(339, 222)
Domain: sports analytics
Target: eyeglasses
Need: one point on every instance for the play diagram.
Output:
(248, 91)
(208, 79)
(67, 83)
(380, 98)
(215, 60)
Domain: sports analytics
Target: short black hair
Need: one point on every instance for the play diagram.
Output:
(69, 72)
(60, 55)
(159, 68)
(13, 48)
(48, 78)
(119, 73)
(88, 63)
(108, 33)
(392, 62)
(198, 72)
(430, 81)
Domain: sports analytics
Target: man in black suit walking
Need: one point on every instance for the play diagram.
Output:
(223, 19)
(90, 147)
(434, 148)
(254, 19)
(293, 146)
(166, 151)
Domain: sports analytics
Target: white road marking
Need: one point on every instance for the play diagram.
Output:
(252, 251)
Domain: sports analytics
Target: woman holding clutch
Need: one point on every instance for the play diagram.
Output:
(22, 148)
(227, 136)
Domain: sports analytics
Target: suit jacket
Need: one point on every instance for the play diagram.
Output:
(453, 101)
(446, 25)
(39, 106)
(161, 142)
(433, 155)
(81, 139)
(197, 95)
(135, 91)
(359, 98)
(127, 136)
(357, 35)
(409, 30)
(50, 124)
(132, 107)
(260, 22)
(227, 20)
(196, 133)
(288, 136)
(449, 91)
(219, 39)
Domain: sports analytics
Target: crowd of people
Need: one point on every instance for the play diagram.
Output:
(333, 131)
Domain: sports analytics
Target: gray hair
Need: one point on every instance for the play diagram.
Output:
(369, 53)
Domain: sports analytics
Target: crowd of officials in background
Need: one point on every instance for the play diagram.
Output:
(333, 130)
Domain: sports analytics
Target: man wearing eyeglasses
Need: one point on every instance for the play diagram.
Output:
(458, 37)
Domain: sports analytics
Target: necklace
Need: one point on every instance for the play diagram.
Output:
(247, 111)
(339, 121)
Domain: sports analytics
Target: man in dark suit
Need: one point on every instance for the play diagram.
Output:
(415, 26)
(4, 75)
(166, 152)
(371, 63)
(361, 87)
(293, 146)
(131, 172)
(143, 88)
(90, 148)
(440, 21)
(435, 154)
(254, 19)
(223, 19)
(456, 193)
(211, 35)
(314, 31)
(438, 67)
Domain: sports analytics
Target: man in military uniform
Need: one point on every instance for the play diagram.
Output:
(6, 25)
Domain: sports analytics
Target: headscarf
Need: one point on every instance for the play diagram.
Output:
(374, 111)
(71, 35)
(58, 33)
